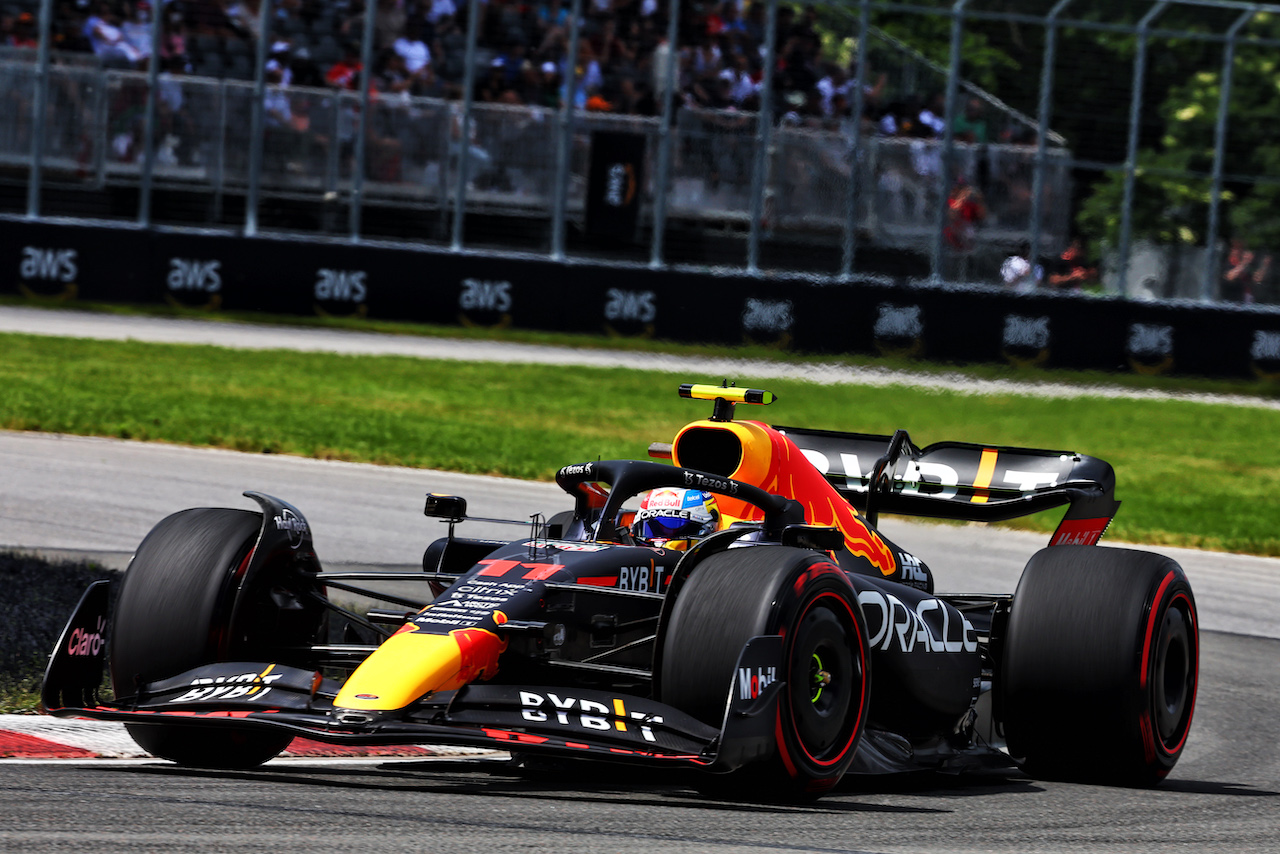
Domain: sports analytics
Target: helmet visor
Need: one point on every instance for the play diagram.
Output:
(670, 528)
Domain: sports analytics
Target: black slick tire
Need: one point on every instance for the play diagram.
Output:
(1101, 663)
(173, 614)
(738, 594)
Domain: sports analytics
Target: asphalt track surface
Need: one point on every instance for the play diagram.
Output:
(98, 497)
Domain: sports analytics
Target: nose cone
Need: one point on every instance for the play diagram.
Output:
(411, 664)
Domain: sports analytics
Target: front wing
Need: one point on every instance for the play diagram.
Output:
(528, 718)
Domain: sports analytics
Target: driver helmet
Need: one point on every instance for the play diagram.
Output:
(676, 514)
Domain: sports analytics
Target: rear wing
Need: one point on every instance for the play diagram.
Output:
(957, 480)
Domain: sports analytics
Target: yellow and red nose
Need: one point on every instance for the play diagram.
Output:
(411, 664)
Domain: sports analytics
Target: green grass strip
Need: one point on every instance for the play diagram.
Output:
(1189, 474)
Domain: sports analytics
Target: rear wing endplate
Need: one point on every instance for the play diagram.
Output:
(958, 480)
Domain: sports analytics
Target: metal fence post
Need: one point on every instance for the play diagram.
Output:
(220, 155)
(257, 119)
(663, 178)
(855, 144)
(1042, 118)
(1131, 157)
(38, 107)
(149, 119)
(464, 132)
(362, 127)
(564, 140)
(948, 139)
(764, 138)
(1219, 153)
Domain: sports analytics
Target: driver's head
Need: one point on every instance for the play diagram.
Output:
(669, 514)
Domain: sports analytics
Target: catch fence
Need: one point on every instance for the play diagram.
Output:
(932, 146)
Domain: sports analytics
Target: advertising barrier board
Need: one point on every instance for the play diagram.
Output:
(210, 272)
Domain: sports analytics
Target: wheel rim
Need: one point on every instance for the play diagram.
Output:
(1173, 677)
(828, 682)
(819, 678)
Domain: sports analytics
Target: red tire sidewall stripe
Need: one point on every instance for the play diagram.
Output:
(1195, 675)
(862, 694)
(1148, 634)
(1151, 741)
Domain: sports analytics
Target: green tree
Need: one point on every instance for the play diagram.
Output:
(1172, 185)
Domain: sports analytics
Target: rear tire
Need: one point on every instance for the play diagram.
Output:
(738, 594)
(174, 613)
(1100, 665)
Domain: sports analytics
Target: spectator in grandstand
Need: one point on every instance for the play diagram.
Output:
(971, 125)
(137, 29)
(395, 83)
(742, 85)
(440, 9)
(1069, 270)
(1244, 273)
(279, 53)
(634, 98)
(598, 103)
(412, 46)
(965, 212)
(1020, 271)
(711, 90)
(1264, 283)
(514, 59)
(550, 14)
(102, 30)
(19, 30)
(589, 78)
(828, 86)
(610, 50)
(303, 70)
(345, 73)
(549, 87)
(173, 41)
(658, 70)
(494, 85)
(244, 16)
(351, 26)
(479, 161)
(277, 108)
(391, 21)
(176, 134)
(934, 115)
(553, 46)
(285, 136)
(449, 45)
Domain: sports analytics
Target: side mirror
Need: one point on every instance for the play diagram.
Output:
(817, 537)
(451, 507)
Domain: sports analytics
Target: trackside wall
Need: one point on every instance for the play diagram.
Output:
(218, 272)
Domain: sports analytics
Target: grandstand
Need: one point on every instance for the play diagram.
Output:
(93, 153)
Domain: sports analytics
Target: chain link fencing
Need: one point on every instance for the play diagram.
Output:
(1113, 148)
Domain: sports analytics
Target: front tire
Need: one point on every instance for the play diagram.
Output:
(1101, 665)
(174, 613)
(738, 594)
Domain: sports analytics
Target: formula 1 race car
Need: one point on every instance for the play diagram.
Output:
(747, 621)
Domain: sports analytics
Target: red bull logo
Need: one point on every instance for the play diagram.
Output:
(478, 650)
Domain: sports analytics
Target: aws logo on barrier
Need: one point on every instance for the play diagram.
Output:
(194, 283)
(1026, 340)
(1150, 348)
(341, 293)
(630, 313)
(620, 190)
(768, 322)
(1264, 355)
(485, 303)
(899, 330)
(48, 273)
